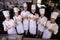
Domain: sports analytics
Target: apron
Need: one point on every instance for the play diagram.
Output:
(26, 24)
(19, 25)
(32, 27)
(25, 20)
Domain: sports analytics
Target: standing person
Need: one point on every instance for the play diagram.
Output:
(41, 22)
(25, 13)
(51, 27)
(18, 20)
(8, 23)
(33, 19)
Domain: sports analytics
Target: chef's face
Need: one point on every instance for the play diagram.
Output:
(7, 18)
(52, 20)
(25, 8)
(42, 15)
(16, 13)
(33, 11)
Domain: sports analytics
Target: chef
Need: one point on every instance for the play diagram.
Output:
(33, 19)
(41, 22)
(25, 13)
(51, 26)
(8, 23)
(18, 20)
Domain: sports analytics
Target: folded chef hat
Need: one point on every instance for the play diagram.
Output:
(25, 5)
(39, 5)
(6, 13)
(42, 11)
(33, 7)
(54, 15)
(16, 9)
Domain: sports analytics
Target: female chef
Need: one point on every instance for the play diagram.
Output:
(25, 13)
(18, 20)
(41, 22)
(33, 19)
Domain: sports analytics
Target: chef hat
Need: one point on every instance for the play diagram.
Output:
(54, 15)
(39, 5)
(25, 5)
(33, 7)
(16, 9)
(6, 13)
(42, 11)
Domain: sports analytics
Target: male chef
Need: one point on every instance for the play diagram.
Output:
(9, 24)
(51, 26)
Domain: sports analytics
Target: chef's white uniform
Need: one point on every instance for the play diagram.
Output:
(41, 23)
(25, 14)
(47, 34)
(32, 27)
(9, 24)
(19, 25)
(52, 26)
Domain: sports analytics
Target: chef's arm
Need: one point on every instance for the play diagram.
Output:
(38, 22)
(21, 19)
(14, 24)
(5, 27)
(50, 30)
(37, 19)
(46, 27)
(34, 19)
(44, 22)
(15, 20)
(22, 16)
(55, 29)
(28, 18)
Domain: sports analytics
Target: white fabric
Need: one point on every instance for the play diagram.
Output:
(54, 15)
(25, 5)
(16, 9)
(40, 22)
(9, 24)
(25, 21)
(39, 5)
(42, 11)
(39, 1)
(19, 25)
(47, 34)
(32, 27)
(33, 7)
(6, 13)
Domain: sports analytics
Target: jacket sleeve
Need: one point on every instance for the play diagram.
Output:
(55, 29)
(4, 26)
(45, 21)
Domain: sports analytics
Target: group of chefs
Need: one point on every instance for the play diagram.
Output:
(40, 25)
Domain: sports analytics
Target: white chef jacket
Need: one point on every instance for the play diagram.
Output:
(47, 34)
(9, 24)
(25, 20)
(41, 21)
(19, 25)
(32, 27)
